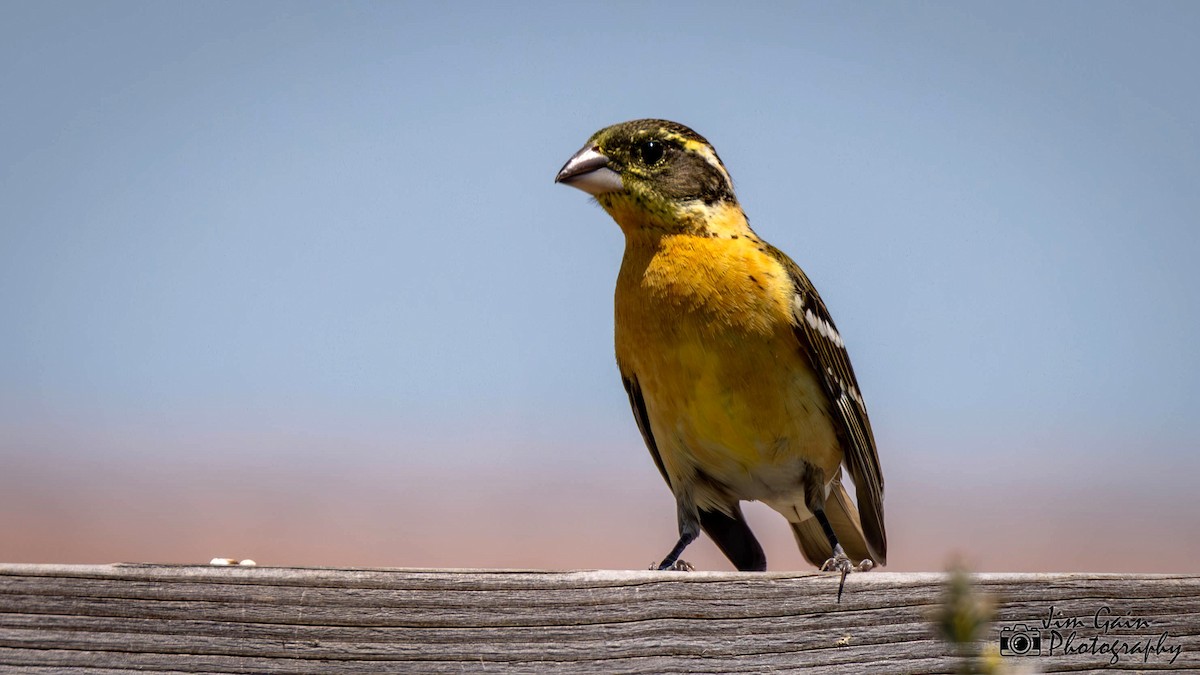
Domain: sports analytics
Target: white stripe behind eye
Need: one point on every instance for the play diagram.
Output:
(710, 156)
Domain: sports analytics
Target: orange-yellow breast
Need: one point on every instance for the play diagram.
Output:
(705, 325)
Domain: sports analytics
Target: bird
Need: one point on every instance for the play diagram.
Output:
(738, 378)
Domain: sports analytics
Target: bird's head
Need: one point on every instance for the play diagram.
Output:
(652, 175)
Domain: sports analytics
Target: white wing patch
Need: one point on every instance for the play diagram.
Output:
(823, 327)
(830, 333)
(848, 390)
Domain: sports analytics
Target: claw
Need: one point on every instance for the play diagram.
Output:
(677, 566)
(840, 562)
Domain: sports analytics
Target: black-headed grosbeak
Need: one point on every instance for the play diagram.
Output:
(739, 380)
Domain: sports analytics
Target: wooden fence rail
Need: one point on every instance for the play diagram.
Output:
(188, 619)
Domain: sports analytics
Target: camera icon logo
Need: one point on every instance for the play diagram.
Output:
(1020, 640)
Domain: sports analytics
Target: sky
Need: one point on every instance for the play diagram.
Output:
(292, 281)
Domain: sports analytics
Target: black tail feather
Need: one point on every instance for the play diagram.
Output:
(733, 536)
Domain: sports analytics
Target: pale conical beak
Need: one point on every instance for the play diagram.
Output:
(588, 170)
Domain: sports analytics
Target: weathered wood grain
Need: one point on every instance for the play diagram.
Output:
(189, 619)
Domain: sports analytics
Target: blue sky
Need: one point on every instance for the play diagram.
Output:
(332, 221)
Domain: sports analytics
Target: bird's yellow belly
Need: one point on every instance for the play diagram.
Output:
(705, 324)
(750, 422)
(705, 327)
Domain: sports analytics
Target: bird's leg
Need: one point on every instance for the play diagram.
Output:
(678, 566)
(840, 562)
(672, 561)
(689, 529)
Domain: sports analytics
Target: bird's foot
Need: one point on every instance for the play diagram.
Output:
(840, 562)
(677, 566)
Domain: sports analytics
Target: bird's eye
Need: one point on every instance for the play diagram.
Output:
(651, 152)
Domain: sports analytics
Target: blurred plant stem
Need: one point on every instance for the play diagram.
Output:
(963, 618)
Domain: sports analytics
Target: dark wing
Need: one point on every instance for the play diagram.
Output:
(821, 342)
(730, 531)
(638, 403)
